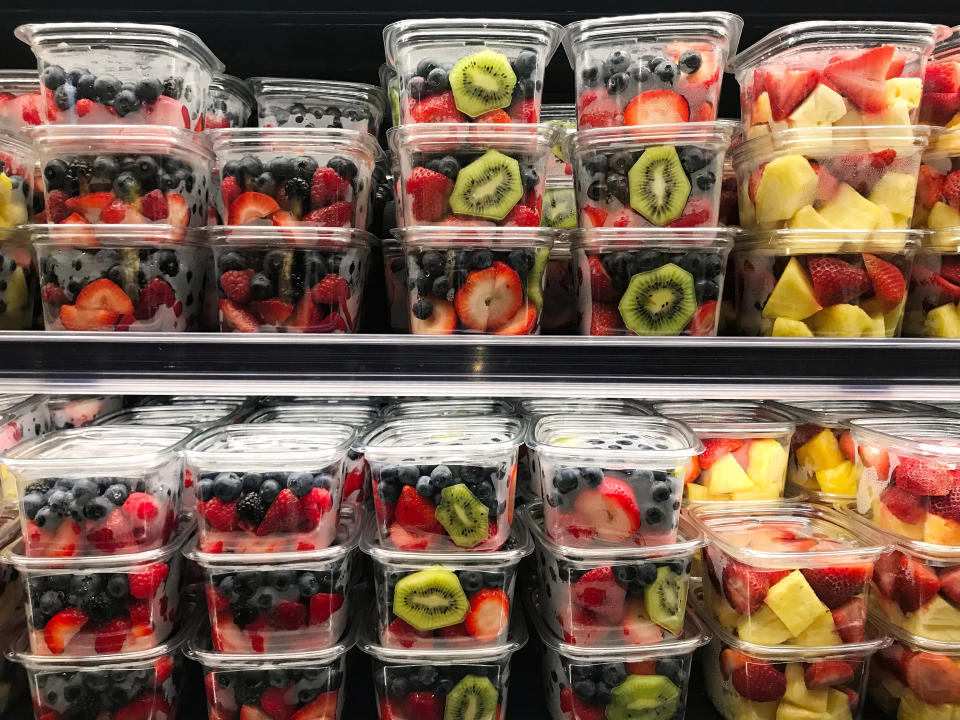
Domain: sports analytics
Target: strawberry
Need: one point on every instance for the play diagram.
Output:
(353, 482)
(140, 507)
(716, 448)
(323, 707)
(522, 216)
(163, 668)
(695, 214)
(612, 509)
(414, 512)
(119, 212)
(691, 470)
(340, 214)
(62, 628)
(440, 108)
(942, 77)
(931, 288)
(271, 312)
(252, 712)
(400, 634)
(327, 187)
(142, 707)
(524, 112)
(331, 290)
(145, 583)
(221, 515)
(74, 318)
(323, 605)
(251, 206)
(155, 295)
(112, 635)
(104, 294)
(273, 702)
(922, 477)
(847, 446)
(179, 214)
(237, 319)
(489, 615)
(932, 677)
(216, 601)
(605, 319)
(289, 615)
(489, 298)
(876, 458)
(886, 570)
(861, 170)
(732, 660)
(827, 673)
(704, 322)
(835, 281)
(598, 591)
(903, 505)
(939, 108)
(154, 205)
(759, 681)
(929, 186)
(442, 321)
(601, 286)
(494, 116)
(586, 711)
(602, 111)
(236, 285)
(331, 323)
(950, 268)
(283, 515)
(90, 205)
(424, 706)
(916, 584)
(744, 587)
(305, 316)
(709, 71)
(591, 217)
(57, 209)
(314, 504)
(861, 79)
(951, 189)
(838, 584)
(888, 284)
(430, 192)
(850, 620)
(523, 323)
(656, 107)
(406, 539)
(167, 111)
(75, 219)
(111, 535)
(785, 88)
(230, 191)
(950, 583)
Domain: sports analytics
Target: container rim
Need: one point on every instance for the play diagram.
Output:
(455, 238)
(339, 438)
(228, 411)
(793, 241)
(315, 139)
(718, 133)
(836, 138)
(424, 427)
(363, 92)
(710, 238)
(928, 551)
(132, 138)
(139, 235)
(235, 86)
(270, 236)
(407, 138)
(839, 412)
(18, 141)
(749, 420)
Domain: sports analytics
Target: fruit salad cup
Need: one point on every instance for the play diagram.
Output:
(18, 278)
(446, 483)
(290, 103)
(933, 299)
(97, 491)
(287, 177)
(268, 488)
(559, 209)
(488, 280)
(120, 73)
(559, 313)
(611, 481)
(826, 73)
(657, 176)
(296, 280)
(17, 159)
(395, 280)
(650, 69)
(937, 204)
(822, 283)
(20, 102)
(147, 278)
(564, 118)
(940, 102)
(230, 103)
(22, 417)
(787, 573)
(464, 175)
(11, 589)
(470, 69)
(73, 411)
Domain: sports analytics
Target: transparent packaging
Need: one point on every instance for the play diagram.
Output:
(559, 313)
(120, 73)
(11, 587)
(453, 407)
(292, 103)
(559, 209)
(459, 70)
(935, 206)
(70, 411)
(933, 298)
(18, 278)
(197, 417)
(230, 103)
(97, 491)
(20, 102)
(941, 83)
(296, 280)
(13, 685)
(650, 281)
(650, 69)
(729, 209)
(395, 280)
(22, 417)
(390, 84)
(564, 119)
(445, 484)
(17, 179)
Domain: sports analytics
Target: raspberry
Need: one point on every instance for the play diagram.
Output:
(236, 285)
(230, 190)
(153, 205)
(57, 206)
(156, 293)
(53, 294)
(140, 611)
(289, 615)
(83, 107)
(145, 583)
(332, 289)
(327, 187)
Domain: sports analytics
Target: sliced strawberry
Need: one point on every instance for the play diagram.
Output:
(323, 605)
(178, 213)
(440, 108)
(850, 620)
(838, 584)
(903, 505)
(156, 294)
(716, 448)
(340, 214)
(74, 318)
(951, 189)
(605, 319)
(836, 281)
(274, 703)
(236, 319)
(922, 477)
(229, 191)
(759, 681)
(861, 79)
(612, 509)
(744, 587)
(489, 615)
(827, 673)
(221, 515)
(591, 217)
(600, 111)
(167, 111)
(942, 77)
(939, 108)
(522, 216)
(601, 286)
(950, 268)
(876, 458)
(494, 116)
(524, 111)
(656, 107)
(90, 205)
(704, 321)
(786, 89)
(145, 582)
(271, 312)
(251, 206)
(888, 283)
(932, 677)
(284, 218)
(950, 583)
(598, 591)
(430, 192)
(252, 712)
(442, 321)
(305, 316)
(408, 539)
(695, 214)
(929, 186)
(104, 294)
(414, 512)
(847, 446)
(111, 636)
(523, 323)
(489, 298)
(917, 584)
(931, 288)
(111, 535)
(62, 627)
(732, 660)
(288, 615)
(886, 570)
(283, 515)
(64, 541)
(332, 289)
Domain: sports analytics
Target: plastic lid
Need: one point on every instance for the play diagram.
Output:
(517, 546)
(326, 89)
(293, 140)
(106, 446)
(270, 446)
(932, 436)
(356, 416)
(723, 418)
(947, 48)
(715, 135)
(538, 407)
(944, 143)
(19, 82)
(14, 142)
(448, 437)
(829, 142)
(192, 416)
(465, 238)
(122, 139)
(9, 523)
(804, 242)
(527, 138)
(941, 240)
(13, 406)
(199, 648)
(231, 85)
(839, 412)
(597, 239)
(917, 548)
(195, 399)
(148, 236)
(447, 408)
(298, 236)
(914, 642)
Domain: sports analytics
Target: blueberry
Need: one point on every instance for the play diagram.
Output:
(440, 288)
(47, 518)
(173, 87)
(324, 481)
(231, 261)
(591, 75)
(389, 492)
(666, 72)
(613, 674)
(300, 483)
(481, 259)
(592, 476)
(343, 167)
(265, 598)
(436, 81)
(85, 490)
(167, 262)
(117, 585)
(584, 689)
(712, 266)
(525, 64)
(32, 502)
(661, 492)
(525, 89)
(260, 287)
(59, 501)
(617, 83)
(653, 516)
(304, 167)
(205, 490)
(53, 76)
(597, 191)
(618, 61)
(440, 477)
(471, 581)
(126, 187)
(690, 62)
(449, 166)
(692, 262)
(654, 62)
(309, 584)
(417, 88)
(530, 178)
(227, 486)
(51, 602)
(65, 96)
(621, 162)
(98, 508)
(125, 103)
(281, 168)
(596, 164)
(706, 181)
(55, 174)
(247, 583)
(566, 480)
(619, 187)
(692, 159)
(425, 67)
(706, 290)
(249, 168)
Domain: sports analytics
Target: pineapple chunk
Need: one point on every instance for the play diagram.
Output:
(798, 694)
(853, 118)
(795, 602)
(942, 215)
(752, 710)
(838, 705)
(908, 90)
(891, 318)
(942, 322)
(763, 628)
(767, 492)
(806, 218)
(792, 296)
(878, 327)
(937, 620)
(888, 521)
(885, 220)
(840, 480)
(785, 327)
(821, 633)
(895, 191)
(945, 143)
(760, 113)
(913, 708)
(697, 492)
(941, 531)
(726, 476)
(821, 108)
(767, 463)
(722, 610)
(849, 210)
(896, 114)
(841, 321)
(786, 185)
(789, 711)
(820, 453)
(954, 122)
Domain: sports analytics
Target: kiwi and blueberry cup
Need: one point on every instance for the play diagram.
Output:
(933, 295)
(293, 103)
(564, 118)
(559, 313)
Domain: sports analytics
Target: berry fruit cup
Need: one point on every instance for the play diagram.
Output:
(786, 573)
(109, 73)
(296, 280)
(73, 411)
(395, 280)
(20, 102)
(18, 278)
(22, 417)
(268, 488)
(933, 299)
(938, 184)
(488, 280)
(292, 103)
(98, 491)
(11, 589)
(826, 73)
(650, 69)
(17, 161)
(230, 103)
(564, 119)
(483, 175)
(822, 283)
(444, 484)
(559, 313)
(459, 70)
(940, 102)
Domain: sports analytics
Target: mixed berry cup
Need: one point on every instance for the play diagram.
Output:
(444, 484)
(940, 102)
(230, 103)
(11, 588)
(287, 177)
(650, 69)
(826, 73)
(17, 160)
(18, 278)
(650, 281)
(20, 102)
(564, 119)
(488, 280)
(933, 296)
(98, 491)
(823, 283)
(459, 70)
(292, 103)
(120, 73)
(296, 280)
(22, 417)
(655, 176)
(73, 411)
(559, 313)
(395, 280)
(268, 488)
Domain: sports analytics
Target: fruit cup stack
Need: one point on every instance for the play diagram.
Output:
(827, 175)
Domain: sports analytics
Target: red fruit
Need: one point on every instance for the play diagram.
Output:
(494, 116)
(327, 187)
(146, 582)
(140, 507)
(112, 534)
(691, 470)
(62, 628)
(605, 319)
(216, 601)
(440, 108)
(523, 323)
(90, 205)
(600, 112)
(414, 512)
(252, 712)
(167, 111)
(112, 635)
(930, 287)
(314, 504)
(597, 590)
(889, 285)
(586, 711)
(942, 77)
(861, 170)
(732, 660)
(324, 707)
(340, 214)
(847, 446)
(230, 191)
(850, 620)
(154, 206)
(155, 295)
(611, 509)
(523, 112)
(489, 615)
(76, 219)
(331, 290)
(273, 703)
(835, 281)
(57, 209)
(593, 217)
(932, 677)
(489, 298)
(922, 477)
(400, 634)
(163, 668)
(837, 585)
(406, 539)
(601, 286)
(104, 294)
(744, 587)
(424, 706)
(237, 319)
(236, 285)
(271, 312)
(442, 321)
(861, 79)
(950, 583)
(951, 189)
(929, 186)
(886, 570)
(876, 458)
(916, 584)
(695, 214)
(656, 107)
(704, 322)
(116, 212)
(305, 316)
(759, 681)
(282, 516)
(716, 448)
(221, 515)
(289, 615)
(430, 192)
(903, 505)
(522, 216)
(323, 605)
(950, 268)
(827, 673)
(709, 70)
(786, 89)
(75, 319)
(939, 108)
(251, 206)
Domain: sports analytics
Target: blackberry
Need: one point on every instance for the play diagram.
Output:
(100, 607)
(86, 704)
(78, 169)
(38, 487)
(251, 508)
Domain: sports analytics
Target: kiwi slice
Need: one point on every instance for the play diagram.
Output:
(567, 127)
(488, 187)
(395, 114)
(482, 82)
(643, 697)
(659, 187)
(559, 209)
(535, 277)
(430, 599)
(659, 302)
(666, 600)
(463, 516)
(284, 278)
(473, 698)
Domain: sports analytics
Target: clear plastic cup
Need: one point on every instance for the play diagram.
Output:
(559, 313)
(824, 73)
(196, 417)
(933, 296)
(655, 176)
(292, 103)
(458, 70)
(18, 278)
(787, 573)
(116, 278)
(444, 484)
(940, 102)
(650, 69)
(466, 175)
(296, 280)
(650, 281)
(478, 280)
(230, 103)
(935, 205)
(729, 209)
(395, 280)
(286, 177)
(451, 407)
(248, 403)
(98, 490)
(564, 119)
(70, 411)
(120, 73)
(559, 208)
(17, 160)
(22, 417)
(20, 102)
(390, 84)
(11, 588)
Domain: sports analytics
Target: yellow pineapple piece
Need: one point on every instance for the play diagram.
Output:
(942, 215)
(821, 452)
(942, 322)
(890, 608)
(806, 218)
(841, 320)
(888, 521)
(946, 142)
(767, 463)
(13, 211)
(789, 711)
(786, 185)
(760, 112)
(798, 694)
(839, 480)
(896, 114)
(726, 476)
(795, 602)
(722, 610)
(838, 705)
(821, 108)
(936, 620)
(767, 492)
(696, 492)
(913, 708)
(954, 122)
(941, 531)
(785, 327)
(763, 628)
(752, 710)
(907, 89)
(878, 328)
(852, 118)
(895, 191)
(849, 210)
(821, 632)
(792, 296)
(891, 318)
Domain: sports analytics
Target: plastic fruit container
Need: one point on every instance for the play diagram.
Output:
(444, 484)
(97, 491)
(564, 119)
(650, 69)
(287, 176)
(822, 283)
(787, 573)
(459, 70)
(17, 159)
(18, 278)
(268, 488)
(22, 417)
(230, 103)
(446, 407)
(147, 278)
(395, 280)
(464, 175)
(933, 298)
(197, 417)
(559, 209)
(390, 84)
(11, 588)
(20, 102)
(936, 205)
(650, 281)
(941, 84)
(70, 411)
(126, 73)
(559, 313)
(655, 176)
(828, 73)
(476, 280)
(291, 103)
(296, 280)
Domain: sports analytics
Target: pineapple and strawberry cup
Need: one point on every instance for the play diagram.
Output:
(933, 299)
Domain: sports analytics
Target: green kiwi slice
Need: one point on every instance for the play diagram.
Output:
(488, 187)
(430, 599)
(659, 187)
(482, 82)
(463, 516)
(643, 697)
(473, 698)
(535, 277)
(559, 209)
(659, 302)
(666, 600)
